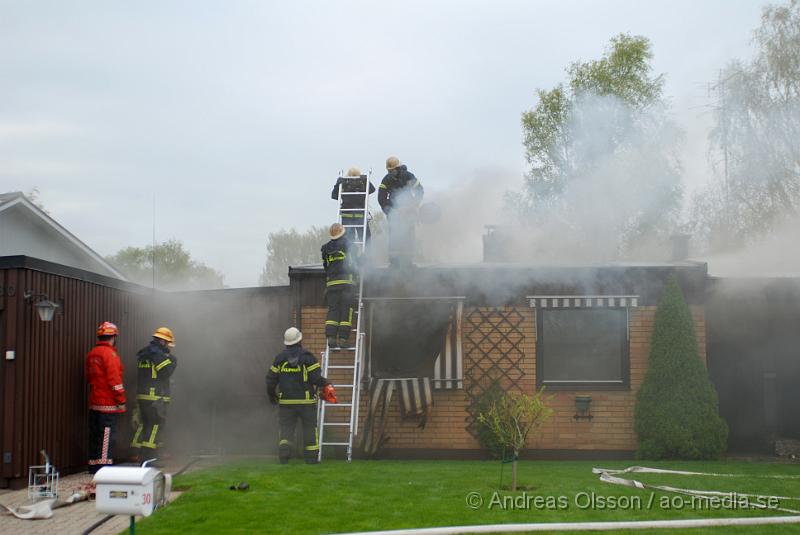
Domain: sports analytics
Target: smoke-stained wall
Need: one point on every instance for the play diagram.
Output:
(225, 343)
(754, 358)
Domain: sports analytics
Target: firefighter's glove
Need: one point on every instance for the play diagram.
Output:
(136, 418)
(328, 394)
(273, 400)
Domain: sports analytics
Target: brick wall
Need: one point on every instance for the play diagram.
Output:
(611, 428)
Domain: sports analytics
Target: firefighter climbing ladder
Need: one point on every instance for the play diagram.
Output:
(345, 415)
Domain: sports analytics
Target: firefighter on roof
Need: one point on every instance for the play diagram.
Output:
(399, 195)
(352, 207)
(106, 396)
(155, 365)
(340, 270)
(292, 383)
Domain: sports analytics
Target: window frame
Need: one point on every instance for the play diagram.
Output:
(625, 361)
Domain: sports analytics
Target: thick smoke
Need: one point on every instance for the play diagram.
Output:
(457, 217)
(774, 255)
(621, 202)
(226, 340)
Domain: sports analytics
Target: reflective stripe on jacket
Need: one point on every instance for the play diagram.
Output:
(155, 365)
(399, 185)
(294, 377)
(338, 261)
(104, 376)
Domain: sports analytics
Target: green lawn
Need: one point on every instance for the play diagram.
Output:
(369, 495)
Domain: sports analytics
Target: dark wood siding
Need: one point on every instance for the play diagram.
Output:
(44, 396)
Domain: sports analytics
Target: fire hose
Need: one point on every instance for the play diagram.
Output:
(610, 476)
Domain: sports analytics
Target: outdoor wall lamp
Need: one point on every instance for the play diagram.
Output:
(45, 307)
(582, 407)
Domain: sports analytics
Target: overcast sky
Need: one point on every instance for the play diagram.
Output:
(238, 115)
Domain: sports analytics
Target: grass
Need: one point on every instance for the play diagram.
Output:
(370, 495)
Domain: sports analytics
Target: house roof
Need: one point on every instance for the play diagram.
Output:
(17, 198)
(505, 283)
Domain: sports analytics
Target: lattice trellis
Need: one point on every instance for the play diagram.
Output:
(493, 353)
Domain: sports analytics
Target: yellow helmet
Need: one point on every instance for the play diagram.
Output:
(336, 231)
(165, 334)
(392, 162)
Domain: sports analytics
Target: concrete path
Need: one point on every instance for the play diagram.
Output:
(67, 520)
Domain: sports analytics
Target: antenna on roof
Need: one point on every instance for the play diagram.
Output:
(153, 254)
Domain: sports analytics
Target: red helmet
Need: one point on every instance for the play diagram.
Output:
(107, 329)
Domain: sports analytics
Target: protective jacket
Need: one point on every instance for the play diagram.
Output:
(399, 183)
(104, 375)
(155, 365)
(294, 377)
(351, 185)
(339, 262)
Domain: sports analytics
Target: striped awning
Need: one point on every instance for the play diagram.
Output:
(583, 301)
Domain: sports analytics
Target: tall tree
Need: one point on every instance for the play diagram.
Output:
(604, 137)
(174, 267)
(291, 248)
(755, 140)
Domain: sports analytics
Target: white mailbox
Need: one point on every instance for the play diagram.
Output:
(131, 490)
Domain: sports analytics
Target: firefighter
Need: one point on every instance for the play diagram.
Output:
(106, 396)
(338, 259)
(155, 364)
(352, 207)
(399, 195)
(292, 383)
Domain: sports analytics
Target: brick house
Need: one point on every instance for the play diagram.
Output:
(579, 331)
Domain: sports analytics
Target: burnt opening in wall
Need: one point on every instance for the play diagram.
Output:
(409, 336)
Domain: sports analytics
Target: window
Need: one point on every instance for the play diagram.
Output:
(582, 347)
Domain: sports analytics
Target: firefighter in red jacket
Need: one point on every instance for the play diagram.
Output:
(106, 396)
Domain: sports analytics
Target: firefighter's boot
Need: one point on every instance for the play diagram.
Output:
(284, 451)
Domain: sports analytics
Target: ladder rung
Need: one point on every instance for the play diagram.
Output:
(334, 443)
(351, 209)
(337, 423)
(341, 367)
(342, 386)
(353, 192)
(329, 405)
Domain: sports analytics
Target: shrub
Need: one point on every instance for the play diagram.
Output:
(677, 414)
(483, 403)
(511, 418)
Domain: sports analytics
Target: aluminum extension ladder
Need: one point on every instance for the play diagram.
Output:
(348, 359)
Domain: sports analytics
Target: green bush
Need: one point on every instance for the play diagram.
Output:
(677, 415)
(484, 401)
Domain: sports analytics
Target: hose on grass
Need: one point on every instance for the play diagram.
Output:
(591, 526)
(97, 524)
(610, 476)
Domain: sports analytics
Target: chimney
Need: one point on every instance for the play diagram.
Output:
(497, 243)
(680, 247)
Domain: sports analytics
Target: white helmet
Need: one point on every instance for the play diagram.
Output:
(292, 336)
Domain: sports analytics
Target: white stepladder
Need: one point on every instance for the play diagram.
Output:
(348, 359)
